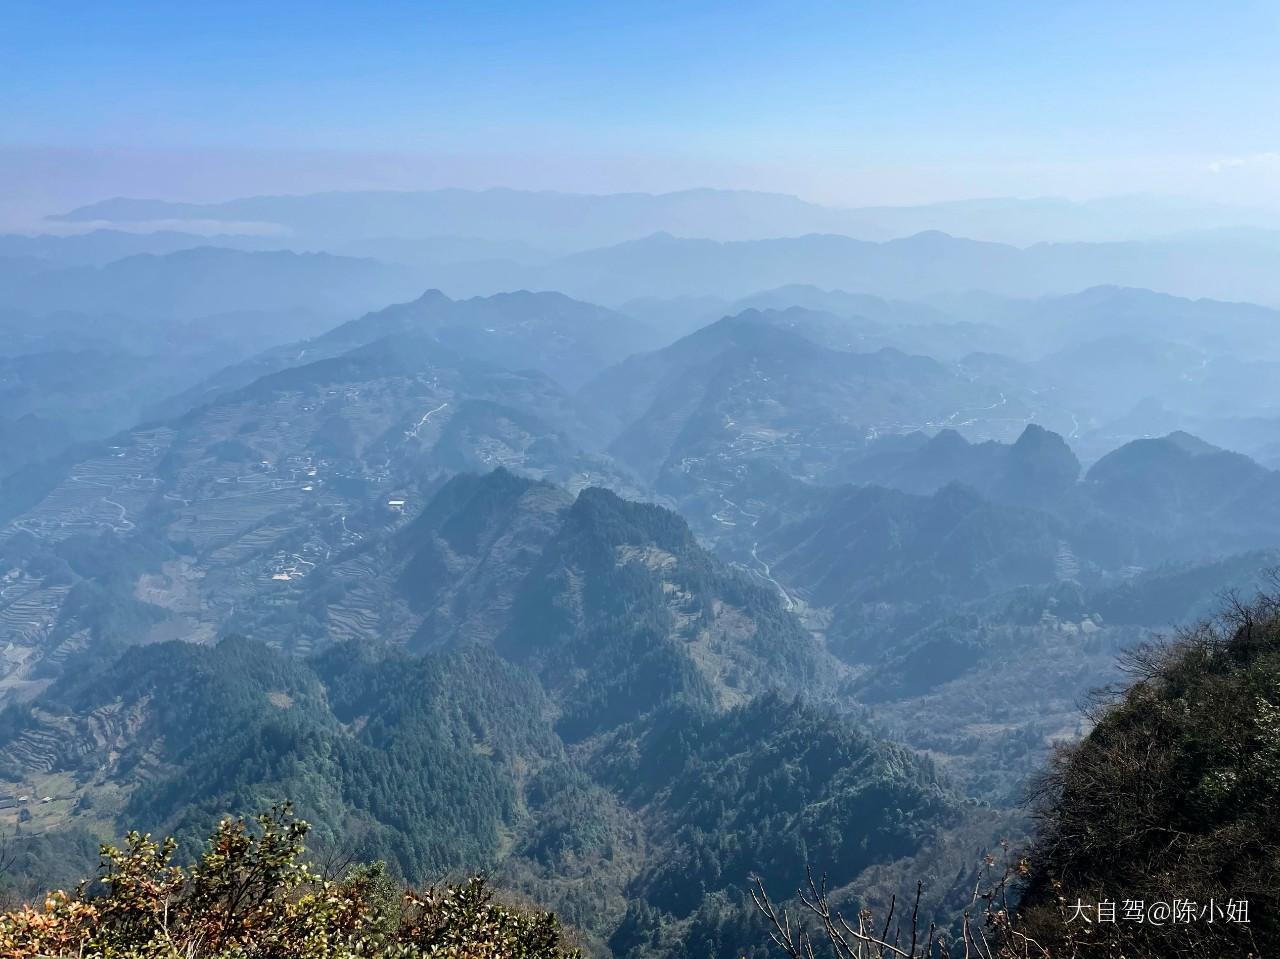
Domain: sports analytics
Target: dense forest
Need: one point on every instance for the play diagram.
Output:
(1154, 837)
(643, 729)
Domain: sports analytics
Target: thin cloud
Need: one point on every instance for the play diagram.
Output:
(1265, 160)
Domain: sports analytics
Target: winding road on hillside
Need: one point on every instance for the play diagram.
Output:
(413, 433)
(788, 603)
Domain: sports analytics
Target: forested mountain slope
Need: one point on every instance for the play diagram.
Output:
(608, 716)
(1171, 798)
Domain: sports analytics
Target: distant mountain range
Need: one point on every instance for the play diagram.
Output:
(47, 273)
(565, 339)
(760, 387)
(204, 281)
(664, 265)
(100, 247)
(1105, 365)
(558, 222)
(563, 220)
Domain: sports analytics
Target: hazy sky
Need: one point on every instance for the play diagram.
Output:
(851, 103)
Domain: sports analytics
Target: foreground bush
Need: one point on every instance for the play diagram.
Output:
(1158, 833)
(252, 896)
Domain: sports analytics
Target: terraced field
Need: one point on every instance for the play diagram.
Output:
(106, 491)
(28, 614)
(218, 522)
(230, 509)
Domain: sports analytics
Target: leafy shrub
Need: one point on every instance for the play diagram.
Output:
(252, 896)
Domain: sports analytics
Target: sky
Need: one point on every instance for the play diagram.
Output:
(848, 103)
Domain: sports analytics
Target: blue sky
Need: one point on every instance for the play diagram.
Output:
(841, 102)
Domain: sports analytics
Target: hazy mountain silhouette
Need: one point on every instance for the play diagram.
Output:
(544, 219)
(206, 280)
(718, 214)
(568, 340)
